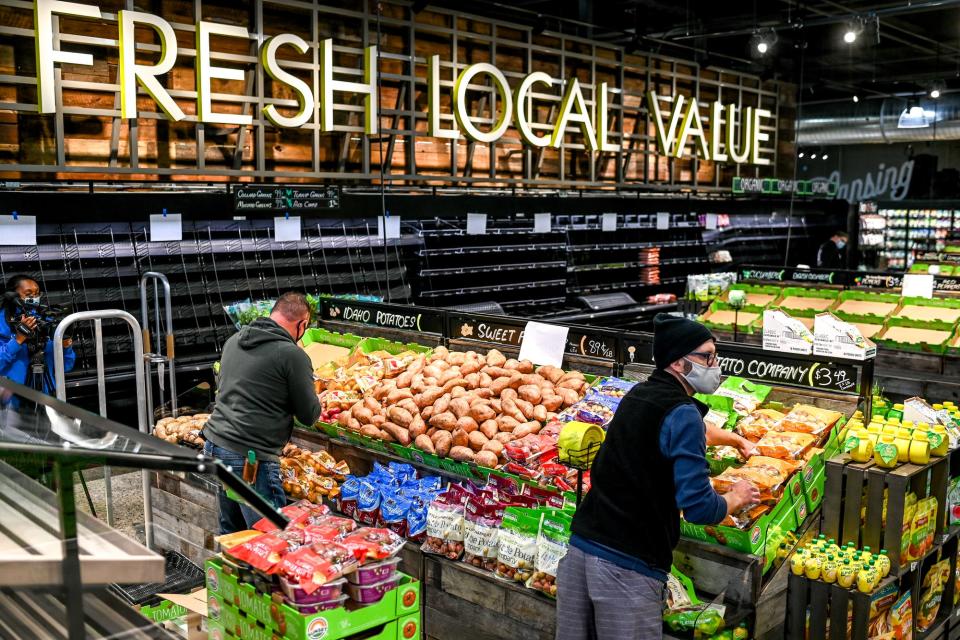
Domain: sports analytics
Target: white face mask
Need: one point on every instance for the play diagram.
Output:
(703, 379)
(841, 244)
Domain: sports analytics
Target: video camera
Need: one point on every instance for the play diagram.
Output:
(46, 316)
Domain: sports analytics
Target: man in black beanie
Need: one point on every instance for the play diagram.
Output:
(651, 467)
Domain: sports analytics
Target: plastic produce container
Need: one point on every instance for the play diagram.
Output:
(317, 607)
(374, 573)
(371, 593)
(295, 595)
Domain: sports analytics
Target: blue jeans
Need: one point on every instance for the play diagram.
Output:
(235, 516)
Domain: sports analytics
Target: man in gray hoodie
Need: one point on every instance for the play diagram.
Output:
(266, 381)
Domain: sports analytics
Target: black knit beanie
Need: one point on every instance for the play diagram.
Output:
(674, 338)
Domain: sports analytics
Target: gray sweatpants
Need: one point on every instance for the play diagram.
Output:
(597, 600)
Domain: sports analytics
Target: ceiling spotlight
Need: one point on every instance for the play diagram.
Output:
(762, 46)
(801, 154)
(856, 98)
(761, 43)
(937, 89)
(825, 156)
(852, 30)
(935, 93)
(813, 156)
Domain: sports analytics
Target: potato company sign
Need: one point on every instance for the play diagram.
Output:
(731, 134)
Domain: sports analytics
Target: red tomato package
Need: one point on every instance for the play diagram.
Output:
(266, 551)
(296, 513)
(313, 566)
(327, 528)
(369, 545)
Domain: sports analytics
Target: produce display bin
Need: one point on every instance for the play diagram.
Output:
(239, 600)
(825, 603)
(853, 503)
(324, 336)
(852, 314)
(886, 337)
(721, 316)
(759, 289)
(949, 307)
(792, 306)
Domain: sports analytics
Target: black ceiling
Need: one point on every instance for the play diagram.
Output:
(904, 47)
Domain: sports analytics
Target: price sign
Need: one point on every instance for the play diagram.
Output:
(501, 331)
(763, 274)
(382, 315)
(946, 284)
(877, 281)
(783, 370)
(808, 275)
(591, 344)
(278, 199)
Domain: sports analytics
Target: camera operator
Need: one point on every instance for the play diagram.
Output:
(21, 337)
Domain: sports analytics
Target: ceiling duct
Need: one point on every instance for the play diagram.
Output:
(879, 121)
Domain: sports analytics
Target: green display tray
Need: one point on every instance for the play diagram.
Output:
(406, 628)
(922, 347)
(236, 602)
(369, 345)
(865, 318)
(728, 326)
(753, 288)
(164, 611)
(323, 336)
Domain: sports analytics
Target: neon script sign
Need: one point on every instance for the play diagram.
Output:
(734, 134)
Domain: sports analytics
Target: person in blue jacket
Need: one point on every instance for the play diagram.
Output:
(15, 344)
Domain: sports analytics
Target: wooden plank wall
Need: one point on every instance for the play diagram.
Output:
(97, 144)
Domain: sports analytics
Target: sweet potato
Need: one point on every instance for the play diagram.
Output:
(551, 373)
(540, 413)
(476, 440)
(458, 392)
(460, 407)
(481, 411)
(499, 384)
(432, 371)
(495, 446)
(516, 379)
(404, 380)
(427, 412)
(470, 366)
(362, 414)
(467, 424)
(400, 416)
(446, 421)
(530, 393)
(503, 437)
(449, 374)
(485, 379)
(507, 423)
(511, 409)
(461, 453)
(569, 396)
(440, 352)
(454, 382)
(409, 405)
(431, 431)
(513, 364)
(533, 378)
(371, 403)
(387, 436)
(344, 417)
(526, 429)
(424, 443)
(495, 358)
(429, 396)
(397, 395)
(384, 389)
(419, 384)
(399, 434)
(353, 424)
(508, 394)
(473, 380)
(417, 365)
(570, 383)
(442, 404)
(486, 459)
(525, 366)
(417, 426)
(526, 408)
(370, 431)
(483, 393)
(496, 372)
(460, 438)
(552, 402)
(378, 420)
(489, 428)
(456, 358)
(442, 441)
(496, 405)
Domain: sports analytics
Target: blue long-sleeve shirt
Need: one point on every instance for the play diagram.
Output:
(683, 439)
(15, 361)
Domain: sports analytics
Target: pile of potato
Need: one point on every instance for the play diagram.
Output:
(464, 405)
(182, 430)
(311, 474)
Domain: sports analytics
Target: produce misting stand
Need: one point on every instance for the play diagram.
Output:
(149, 357)
(61, 389)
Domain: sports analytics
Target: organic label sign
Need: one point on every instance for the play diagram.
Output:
(794, 372)
(382, 315)
(278, 199)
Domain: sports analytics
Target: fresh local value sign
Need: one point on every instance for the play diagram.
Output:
(734, 134)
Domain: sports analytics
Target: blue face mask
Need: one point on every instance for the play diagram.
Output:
(841, 244)
(32, 300)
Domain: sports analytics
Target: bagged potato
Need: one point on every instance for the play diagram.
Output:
(445, 526)
(481, 532)
(552, 542)
(517, 544)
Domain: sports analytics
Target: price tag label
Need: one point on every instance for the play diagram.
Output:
(476, 224)
(166, 227)
(544, 343)
(287, 229)
(711, 221)
(608, 222)
(542, 223)
(663, 220)
(392, 227)
(17, 230)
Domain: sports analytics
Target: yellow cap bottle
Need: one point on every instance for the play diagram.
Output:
(883, 563)
(919, 448)
(939, 440)
(797, 563)
(885, 452)
(865, 580)
(829, 572)
(903, 444)
(812, 567)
